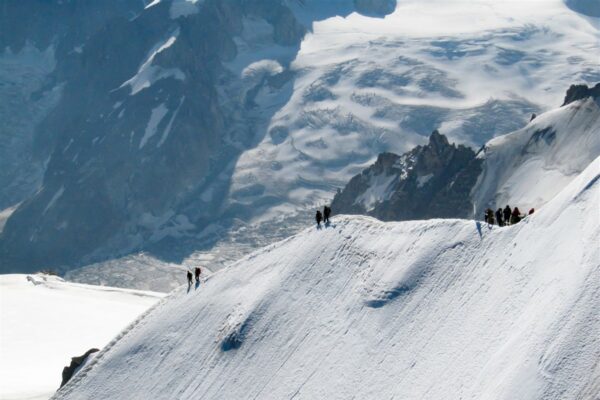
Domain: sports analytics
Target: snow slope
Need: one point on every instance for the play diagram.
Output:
(438, 309)
(528, 167)
(45, 321)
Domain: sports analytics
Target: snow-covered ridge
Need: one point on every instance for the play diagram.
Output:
(530, 166)
(363, 309)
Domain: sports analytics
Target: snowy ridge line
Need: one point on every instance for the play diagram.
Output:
(374, 310)
(130, 328)
(531, 165)
(138, 322)
(68, 387)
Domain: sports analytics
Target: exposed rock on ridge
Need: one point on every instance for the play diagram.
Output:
(429, 181)
(578, 92)
(76, 363)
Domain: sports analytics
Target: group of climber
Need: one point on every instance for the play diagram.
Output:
(323, 217)
(505, 217)
(501, 217)
(197, 272)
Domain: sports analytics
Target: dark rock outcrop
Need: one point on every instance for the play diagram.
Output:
(41, 43)
(431, 181)
(578, 92)
(76, 363)
(591, 8)
(377, 8)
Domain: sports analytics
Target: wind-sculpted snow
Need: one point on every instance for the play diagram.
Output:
(364, 309)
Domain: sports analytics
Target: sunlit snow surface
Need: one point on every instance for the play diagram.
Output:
(45, 321)
(529, 167)
(438, 309)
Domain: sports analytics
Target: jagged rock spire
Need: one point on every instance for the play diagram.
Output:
(578, 92)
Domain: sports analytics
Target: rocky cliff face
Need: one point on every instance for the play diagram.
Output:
(38, 50)
(139, 131)
(375, 7)
(578, 92)
(153, 104)
(431, 181)
(590, 8)
(118, 152)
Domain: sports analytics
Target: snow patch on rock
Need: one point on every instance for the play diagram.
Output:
(183, 8)
(148, 73)
(157, 115)
(54, 198)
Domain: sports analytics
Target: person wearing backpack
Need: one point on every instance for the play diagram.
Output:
(507, 214)
(319, 218)
(516, 216)
(499, 217)
(197, 272)
(326, 214)
(489, 216)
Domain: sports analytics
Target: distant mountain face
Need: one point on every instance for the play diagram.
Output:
(525, 168)
(590, 8)
(150, 112)
(41, 44)
(168, 125)
(427, 182)
(139, 129)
